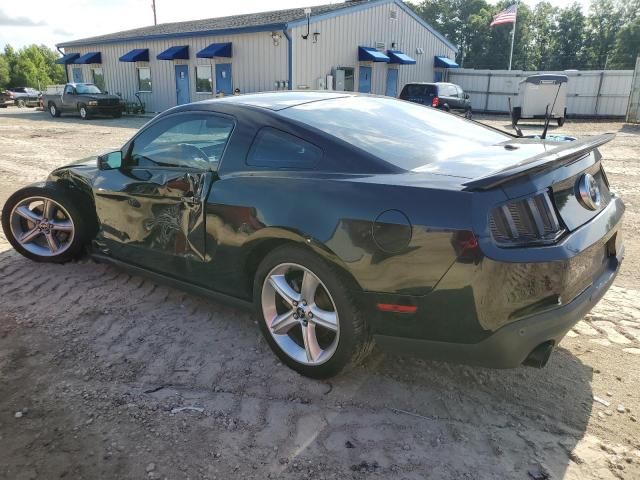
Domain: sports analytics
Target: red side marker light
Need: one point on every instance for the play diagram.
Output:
(435, 102)
(390, 307)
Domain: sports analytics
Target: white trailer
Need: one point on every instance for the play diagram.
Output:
(537, 93)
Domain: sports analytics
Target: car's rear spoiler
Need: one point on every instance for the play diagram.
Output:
(563, 154)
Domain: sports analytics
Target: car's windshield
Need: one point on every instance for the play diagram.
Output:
(402, 133)
(87, 89)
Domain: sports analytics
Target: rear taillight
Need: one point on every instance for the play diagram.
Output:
(435, 101)
(532, 221)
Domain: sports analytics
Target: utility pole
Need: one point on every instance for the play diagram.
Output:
(153, 7)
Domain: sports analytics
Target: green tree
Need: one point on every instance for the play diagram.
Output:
(569, 48)
(4, 72)
(606, 18)
(33, 66)
(627, 46)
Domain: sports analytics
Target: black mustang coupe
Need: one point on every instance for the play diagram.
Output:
(344, 219)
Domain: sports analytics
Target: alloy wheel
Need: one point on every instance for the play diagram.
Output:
(42, 226)
(52, 110)
(300, 314)
(83, 112)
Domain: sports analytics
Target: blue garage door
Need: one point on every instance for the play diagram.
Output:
(182, 84)
(223, 78)
(392, 83)
(364, 82)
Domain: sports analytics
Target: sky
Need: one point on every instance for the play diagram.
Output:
(53, 21)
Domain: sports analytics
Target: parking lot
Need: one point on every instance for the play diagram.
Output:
(95, 365)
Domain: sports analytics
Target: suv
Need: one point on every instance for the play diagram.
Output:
(445, 96)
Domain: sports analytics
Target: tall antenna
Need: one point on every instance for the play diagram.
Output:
(153, 7)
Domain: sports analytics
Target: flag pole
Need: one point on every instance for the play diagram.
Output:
(513, 36)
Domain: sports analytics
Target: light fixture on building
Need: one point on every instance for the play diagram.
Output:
(276, 36)
(315, 37)
(307, 13)
(419, 51)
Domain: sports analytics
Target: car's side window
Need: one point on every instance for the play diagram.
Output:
(193, 140)
(276, 149)
(460, 92)
(68, 89)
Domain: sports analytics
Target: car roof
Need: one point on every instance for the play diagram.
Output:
(279, 100)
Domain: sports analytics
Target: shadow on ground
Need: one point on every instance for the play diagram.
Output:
(39, 115)
(97, 359)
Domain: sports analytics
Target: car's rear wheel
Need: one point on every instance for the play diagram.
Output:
(44, 224)
(308, 313)
(84, 113)
(560, 121)
(468, 114)
(53, 110)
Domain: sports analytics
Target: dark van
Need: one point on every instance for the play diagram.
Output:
(445, 96)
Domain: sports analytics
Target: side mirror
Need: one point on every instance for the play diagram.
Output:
(466, 96)
(110, 161)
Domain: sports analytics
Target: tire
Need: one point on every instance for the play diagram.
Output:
(468, 113)
(20, 103)
(84, 113)
(515, 115)
(53, 110)
(560, 121)
(333, 297)
(67, 227)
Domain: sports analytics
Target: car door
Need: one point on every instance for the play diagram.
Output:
(68, 102)
(151, 210)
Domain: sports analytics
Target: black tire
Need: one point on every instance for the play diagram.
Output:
(515, 115)
(68, 202)
(84, 112)
(560, 121)
(468, 113)
(354, 341)
(20, 103)
(53, 110)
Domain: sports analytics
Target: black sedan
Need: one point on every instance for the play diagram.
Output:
(343, 220)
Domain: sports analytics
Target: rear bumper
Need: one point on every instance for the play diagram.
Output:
(510, 345)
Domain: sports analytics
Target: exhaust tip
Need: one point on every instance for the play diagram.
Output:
(539, 356)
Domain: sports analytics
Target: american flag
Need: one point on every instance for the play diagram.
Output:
(508, 15)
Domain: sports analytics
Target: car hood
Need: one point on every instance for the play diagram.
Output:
(99, 96)
(478, 162)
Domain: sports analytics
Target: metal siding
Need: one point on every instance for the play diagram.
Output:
(340, 37)
(256, 65)
(586, 95)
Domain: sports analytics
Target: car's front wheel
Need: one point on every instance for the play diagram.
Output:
(308, 313)
(20, 103)
(44, 224)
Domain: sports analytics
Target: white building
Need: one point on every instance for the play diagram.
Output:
(374, 46)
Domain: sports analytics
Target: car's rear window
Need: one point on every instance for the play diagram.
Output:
(420, 91)
(402, 133)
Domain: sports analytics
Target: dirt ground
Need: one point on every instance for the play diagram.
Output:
(94, 363)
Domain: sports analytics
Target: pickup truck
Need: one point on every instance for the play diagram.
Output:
(20, 96)
(83, 98)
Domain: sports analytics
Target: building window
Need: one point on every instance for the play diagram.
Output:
(204, 79)
(144, 79)
(98, 78)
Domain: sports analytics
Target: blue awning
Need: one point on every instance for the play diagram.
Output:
(215, 50)
(444, 62)
(91, 57)
(136, 55)
(369, 54)
(397, 56)
(175, 53)
(67, 59)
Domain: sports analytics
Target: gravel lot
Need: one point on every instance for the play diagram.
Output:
(95, 364)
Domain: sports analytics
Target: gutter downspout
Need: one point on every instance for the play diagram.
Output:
(66, 69)
(289, 54)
